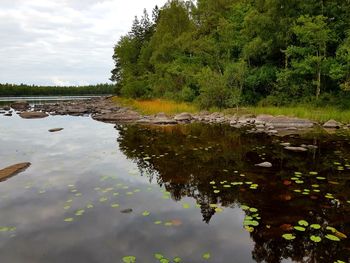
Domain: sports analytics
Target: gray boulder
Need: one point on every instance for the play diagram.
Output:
(332, 124)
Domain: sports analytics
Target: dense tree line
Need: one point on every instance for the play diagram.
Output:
(27, 90)
(229, 52)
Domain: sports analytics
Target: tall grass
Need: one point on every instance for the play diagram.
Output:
(155, 106)
(305, 112)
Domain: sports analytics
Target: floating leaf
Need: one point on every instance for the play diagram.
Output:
(177, 260)
(115, 205)
(299, 228)
(186, 206)
(158, 256)
(206, 255)
(245, 207)
(103, 199)
(250, 229)
(332, 229)
(303, 223)
(219, 210)
(315, 226)
(89, 206)
(146, 213)
(129, 259)
(69, 219)
(288, 236)
(316, 239)
(332, 237)
(253, 209)
(321, 178)
(216, 191)
(313, 173)
(79, 212)
(157, 222)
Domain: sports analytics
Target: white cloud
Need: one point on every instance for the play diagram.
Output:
(63, 41)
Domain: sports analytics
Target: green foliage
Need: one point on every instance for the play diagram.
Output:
(225, 53)
(27, 90)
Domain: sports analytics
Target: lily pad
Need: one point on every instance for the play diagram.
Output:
(129, 259)
(315, 226)
(299, 228)
(177, 260)
(186, 206)
(289, 236)
(158, 222)
(303, 223)
(206, 256)
(332, 237)
(146, 213)
(315, 239)
(69, 219)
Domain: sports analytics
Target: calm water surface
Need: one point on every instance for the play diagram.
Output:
(192, 189)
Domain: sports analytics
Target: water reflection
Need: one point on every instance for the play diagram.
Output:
(187, 160)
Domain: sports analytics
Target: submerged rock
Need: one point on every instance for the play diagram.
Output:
(55, 129)
(163, 119)
(332, 124)
(264, 165)
(13, 170)
(33, 115)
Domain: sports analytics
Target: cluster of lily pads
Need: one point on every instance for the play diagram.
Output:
(162, 259)
(252, 218)
(226, 185)
(327, 232)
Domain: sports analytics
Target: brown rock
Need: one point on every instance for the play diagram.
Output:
(20, 105)
(33, 115)
(12, 170)
(183, 117)
(121, 116)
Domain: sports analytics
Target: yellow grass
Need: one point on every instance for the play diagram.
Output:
(155, 106)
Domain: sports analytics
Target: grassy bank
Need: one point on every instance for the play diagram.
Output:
(149, 107)
(171, 107)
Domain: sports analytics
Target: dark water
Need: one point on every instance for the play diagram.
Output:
(191, 190)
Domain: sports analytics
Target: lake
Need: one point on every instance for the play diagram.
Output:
(97, 192)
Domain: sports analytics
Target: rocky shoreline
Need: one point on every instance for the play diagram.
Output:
(105, 110)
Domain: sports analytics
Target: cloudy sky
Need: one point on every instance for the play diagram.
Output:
(63, 42)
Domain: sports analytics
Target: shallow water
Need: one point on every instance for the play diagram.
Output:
(190, 189)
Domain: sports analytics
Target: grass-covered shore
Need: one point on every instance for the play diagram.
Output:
(318, 114)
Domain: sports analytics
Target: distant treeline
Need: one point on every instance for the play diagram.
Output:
(28, 90)
(228, 52)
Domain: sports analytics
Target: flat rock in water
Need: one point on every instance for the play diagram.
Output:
(264, 165)
(13, 170)
(332, 124)
(295, 149)
(55, 129)
(183, 117)
(123, 116)
(33, 115)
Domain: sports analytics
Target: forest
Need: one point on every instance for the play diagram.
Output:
(227, 53)
(32, 90)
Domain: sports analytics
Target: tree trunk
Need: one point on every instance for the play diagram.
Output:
(318, 88)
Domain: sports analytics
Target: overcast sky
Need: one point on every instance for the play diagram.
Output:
(63, 42)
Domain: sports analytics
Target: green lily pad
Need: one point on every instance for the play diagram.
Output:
(115, 205)
(315, 226)
(299, 228)
(250, 229)
(250, 223)
(303, 223)
(316, 239)
(89, 206)
(216, 191)
(313, 173)
(158, 222)
(129, 259)
(146, 213)
(332, 237)
(245, 207)
(253, 209)
(332, 229)
(158, 256)
(289, 236)
(206, 256)
(177, 260)
(79, 212)
(321, 178)
(69, 219)
(186, 206)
